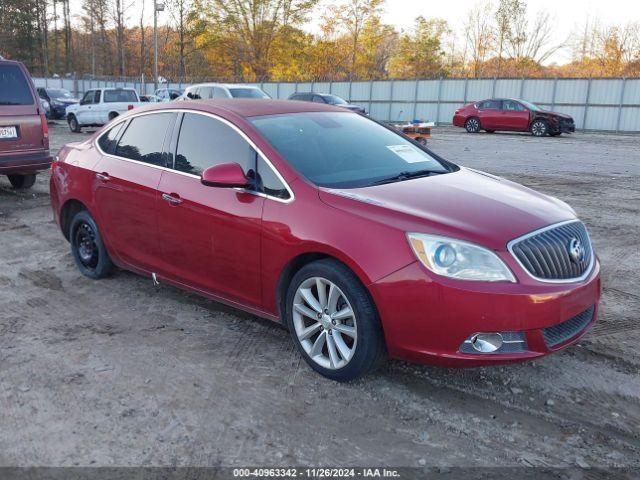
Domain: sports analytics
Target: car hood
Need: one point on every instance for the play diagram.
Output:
(556, 114)
(467, 204)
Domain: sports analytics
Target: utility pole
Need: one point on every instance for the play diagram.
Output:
(157, 7)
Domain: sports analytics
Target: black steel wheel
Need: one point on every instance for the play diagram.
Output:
(22, 182)
(87, 247)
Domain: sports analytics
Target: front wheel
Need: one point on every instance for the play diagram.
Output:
(333, 321)
(22, 182)
(539, 128)
(74, 126)
(87, 247)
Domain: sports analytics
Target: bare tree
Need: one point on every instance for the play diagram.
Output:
(479, 36)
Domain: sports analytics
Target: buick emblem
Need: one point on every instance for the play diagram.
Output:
(576, 250)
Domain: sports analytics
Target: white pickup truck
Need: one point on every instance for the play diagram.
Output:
(101, 105)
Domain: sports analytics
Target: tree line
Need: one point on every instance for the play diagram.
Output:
(267, 40)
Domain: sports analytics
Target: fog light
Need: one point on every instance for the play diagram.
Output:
(486, 342)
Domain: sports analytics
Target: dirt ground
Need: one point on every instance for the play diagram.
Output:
(119, 372)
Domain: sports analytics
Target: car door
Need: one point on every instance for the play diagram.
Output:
(489, 113)
(210, 237)
(126, 192)
(96, 112)
(85, 109)
(514, 116)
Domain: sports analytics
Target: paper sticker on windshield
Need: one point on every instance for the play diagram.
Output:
(407, 153)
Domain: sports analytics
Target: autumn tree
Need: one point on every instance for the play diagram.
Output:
(419, 53)
(479, 36)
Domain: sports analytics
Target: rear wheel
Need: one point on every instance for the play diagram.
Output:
(22, 182)
(539, 128)
(421, 140)
(472, 125)
(87, 247)
(74, 126)
(112, 115)
(333, 321)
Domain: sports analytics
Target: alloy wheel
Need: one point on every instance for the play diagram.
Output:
(325, 323)
(473, 125)
(539, 129)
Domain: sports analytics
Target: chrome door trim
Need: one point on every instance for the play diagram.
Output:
(215, 117)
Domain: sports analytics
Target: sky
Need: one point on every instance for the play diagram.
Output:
(567, 15)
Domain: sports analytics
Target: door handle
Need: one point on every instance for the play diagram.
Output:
(103, 177)
(171, 199)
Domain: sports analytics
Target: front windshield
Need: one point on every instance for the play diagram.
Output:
(59, 93)
(334, 100)
(530, 105)
(344, 150)
(247, 93)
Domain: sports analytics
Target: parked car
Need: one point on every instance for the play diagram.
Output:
(59, 99)
(46, 107)
(24, 133)
(512, 115)
(168, 94)
(206, 91)
(359, 240)
(150, 99)
(327, 98)
(100, 106)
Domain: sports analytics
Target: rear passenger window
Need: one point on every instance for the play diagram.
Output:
(205, 142)
(107, 141)
(144, 137)
(14, 87)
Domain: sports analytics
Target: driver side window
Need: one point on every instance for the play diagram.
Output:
(88, 98)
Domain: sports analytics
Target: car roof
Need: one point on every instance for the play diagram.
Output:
(246, 107)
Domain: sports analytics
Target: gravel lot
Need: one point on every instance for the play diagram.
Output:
(119, 372)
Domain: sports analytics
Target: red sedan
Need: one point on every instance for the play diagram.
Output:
(512, 115)
(361, 241)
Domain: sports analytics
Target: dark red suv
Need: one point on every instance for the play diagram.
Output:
(512, 115)
(360, 240)
(24, 134)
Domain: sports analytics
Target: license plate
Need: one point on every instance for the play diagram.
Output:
(8, 132)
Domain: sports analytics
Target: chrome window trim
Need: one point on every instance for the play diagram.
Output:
(582, 277)
(171, 170)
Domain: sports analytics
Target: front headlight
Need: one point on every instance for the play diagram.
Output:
(457, 259)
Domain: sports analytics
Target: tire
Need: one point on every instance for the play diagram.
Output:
(472, 125)
(539, 128)
(421, 141)
(490, 131)
(87, 247)
(555, 134)
(340, 349)
(22, 182)
(112, 115)
(74, 126)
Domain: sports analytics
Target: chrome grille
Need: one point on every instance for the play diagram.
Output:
(567, 330)
(545, 253)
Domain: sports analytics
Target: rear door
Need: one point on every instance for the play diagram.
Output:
(127, 181)
(514, 116)
(489, 112)
(20, 122)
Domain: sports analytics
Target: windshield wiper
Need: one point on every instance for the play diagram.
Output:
(406, 176)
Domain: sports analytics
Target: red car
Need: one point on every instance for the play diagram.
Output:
(24, 133)
(512, 115)
(361, 241)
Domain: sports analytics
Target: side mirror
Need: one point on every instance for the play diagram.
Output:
(225, 175)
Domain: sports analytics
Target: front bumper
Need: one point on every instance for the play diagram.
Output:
(24, 163)
(427, 321)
